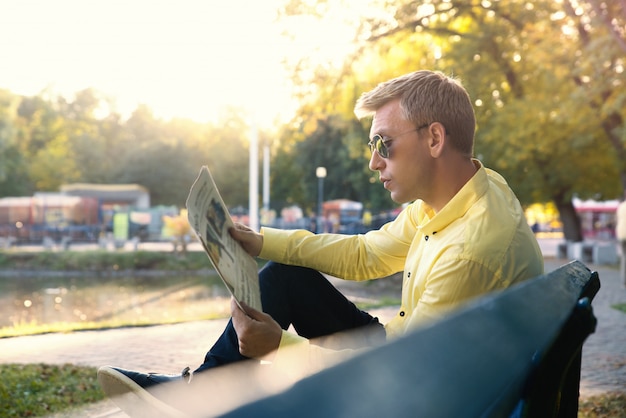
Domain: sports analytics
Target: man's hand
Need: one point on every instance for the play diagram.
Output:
(258, 334)
(250, 240)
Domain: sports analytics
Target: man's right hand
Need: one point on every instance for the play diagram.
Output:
(250, 240)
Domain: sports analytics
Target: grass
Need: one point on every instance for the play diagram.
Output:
(36, 390)
(609, 405)
(23, 329)
(381, 303)
(620, 307)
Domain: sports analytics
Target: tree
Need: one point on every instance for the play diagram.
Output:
(178, 229)
(154, 155)
(62, 140)
(48, 140)
(534, 121)
(228, 156)
(337, 144)
(47, 146)
(597, 30)
(13, 166)
(92, 137)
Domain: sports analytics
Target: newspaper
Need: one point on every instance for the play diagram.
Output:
(210, 220)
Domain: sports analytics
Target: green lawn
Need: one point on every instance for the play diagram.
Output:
(610, 405)
(36, 390)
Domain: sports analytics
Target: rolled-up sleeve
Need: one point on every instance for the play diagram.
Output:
(367, 256)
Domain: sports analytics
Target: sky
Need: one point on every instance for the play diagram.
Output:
(182, 58)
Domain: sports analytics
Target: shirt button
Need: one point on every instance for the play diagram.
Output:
(426, 237)
(408, 274)
(401, 313)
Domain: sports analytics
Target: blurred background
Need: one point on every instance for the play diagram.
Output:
(111, 107)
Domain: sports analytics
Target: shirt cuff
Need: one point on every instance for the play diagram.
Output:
(274, 244)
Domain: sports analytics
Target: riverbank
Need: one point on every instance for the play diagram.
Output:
(27, 261)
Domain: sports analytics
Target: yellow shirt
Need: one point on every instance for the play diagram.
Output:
(479, 242)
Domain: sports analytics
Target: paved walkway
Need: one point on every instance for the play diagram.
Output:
(169, 348)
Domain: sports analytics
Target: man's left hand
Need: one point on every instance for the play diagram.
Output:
(259, 335)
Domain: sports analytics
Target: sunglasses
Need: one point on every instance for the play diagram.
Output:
(380, 144)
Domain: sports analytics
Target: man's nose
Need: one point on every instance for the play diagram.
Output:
(376, 161)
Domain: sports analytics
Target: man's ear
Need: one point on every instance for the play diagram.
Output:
(437, 140)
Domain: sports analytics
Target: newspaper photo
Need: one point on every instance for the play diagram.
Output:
(210, 220)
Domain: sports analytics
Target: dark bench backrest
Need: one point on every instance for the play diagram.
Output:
(509, 353)
(552, 388)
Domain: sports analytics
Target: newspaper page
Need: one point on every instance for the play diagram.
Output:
(210, 220)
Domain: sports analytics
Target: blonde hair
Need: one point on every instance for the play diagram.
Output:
(427, 97)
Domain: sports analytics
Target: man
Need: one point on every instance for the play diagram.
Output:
(463, 235)
(620, 234)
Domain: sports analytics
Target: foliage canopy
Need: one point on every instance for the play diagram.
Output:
(547, 79)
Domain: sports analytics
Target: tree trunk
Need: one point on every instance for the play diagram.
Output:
(572, 228)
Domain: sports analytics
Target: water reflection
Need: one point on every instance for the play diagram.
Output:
(47, 300)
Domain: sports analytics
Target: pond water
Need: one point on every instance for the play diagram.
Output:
(91, 299)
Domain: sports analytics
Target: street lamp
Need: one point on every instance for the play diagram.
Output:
(320, 173)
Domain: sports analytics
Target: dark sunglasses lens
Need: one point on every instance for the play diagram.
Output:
(381, 148)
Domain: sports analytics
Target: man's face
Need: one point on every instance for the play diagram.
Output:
(406, 173)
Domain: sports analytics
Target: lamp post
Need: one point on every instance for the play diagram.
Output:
(320, 173)
(253, 189)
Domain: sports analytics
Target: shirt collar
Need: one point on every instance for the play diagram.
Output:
(474, 189)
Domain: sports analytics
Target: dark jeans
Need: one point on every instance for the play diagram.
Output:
(303, 298)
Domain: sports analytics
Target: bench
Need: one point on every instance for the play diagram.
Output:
(595, 252)
(511, 353)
